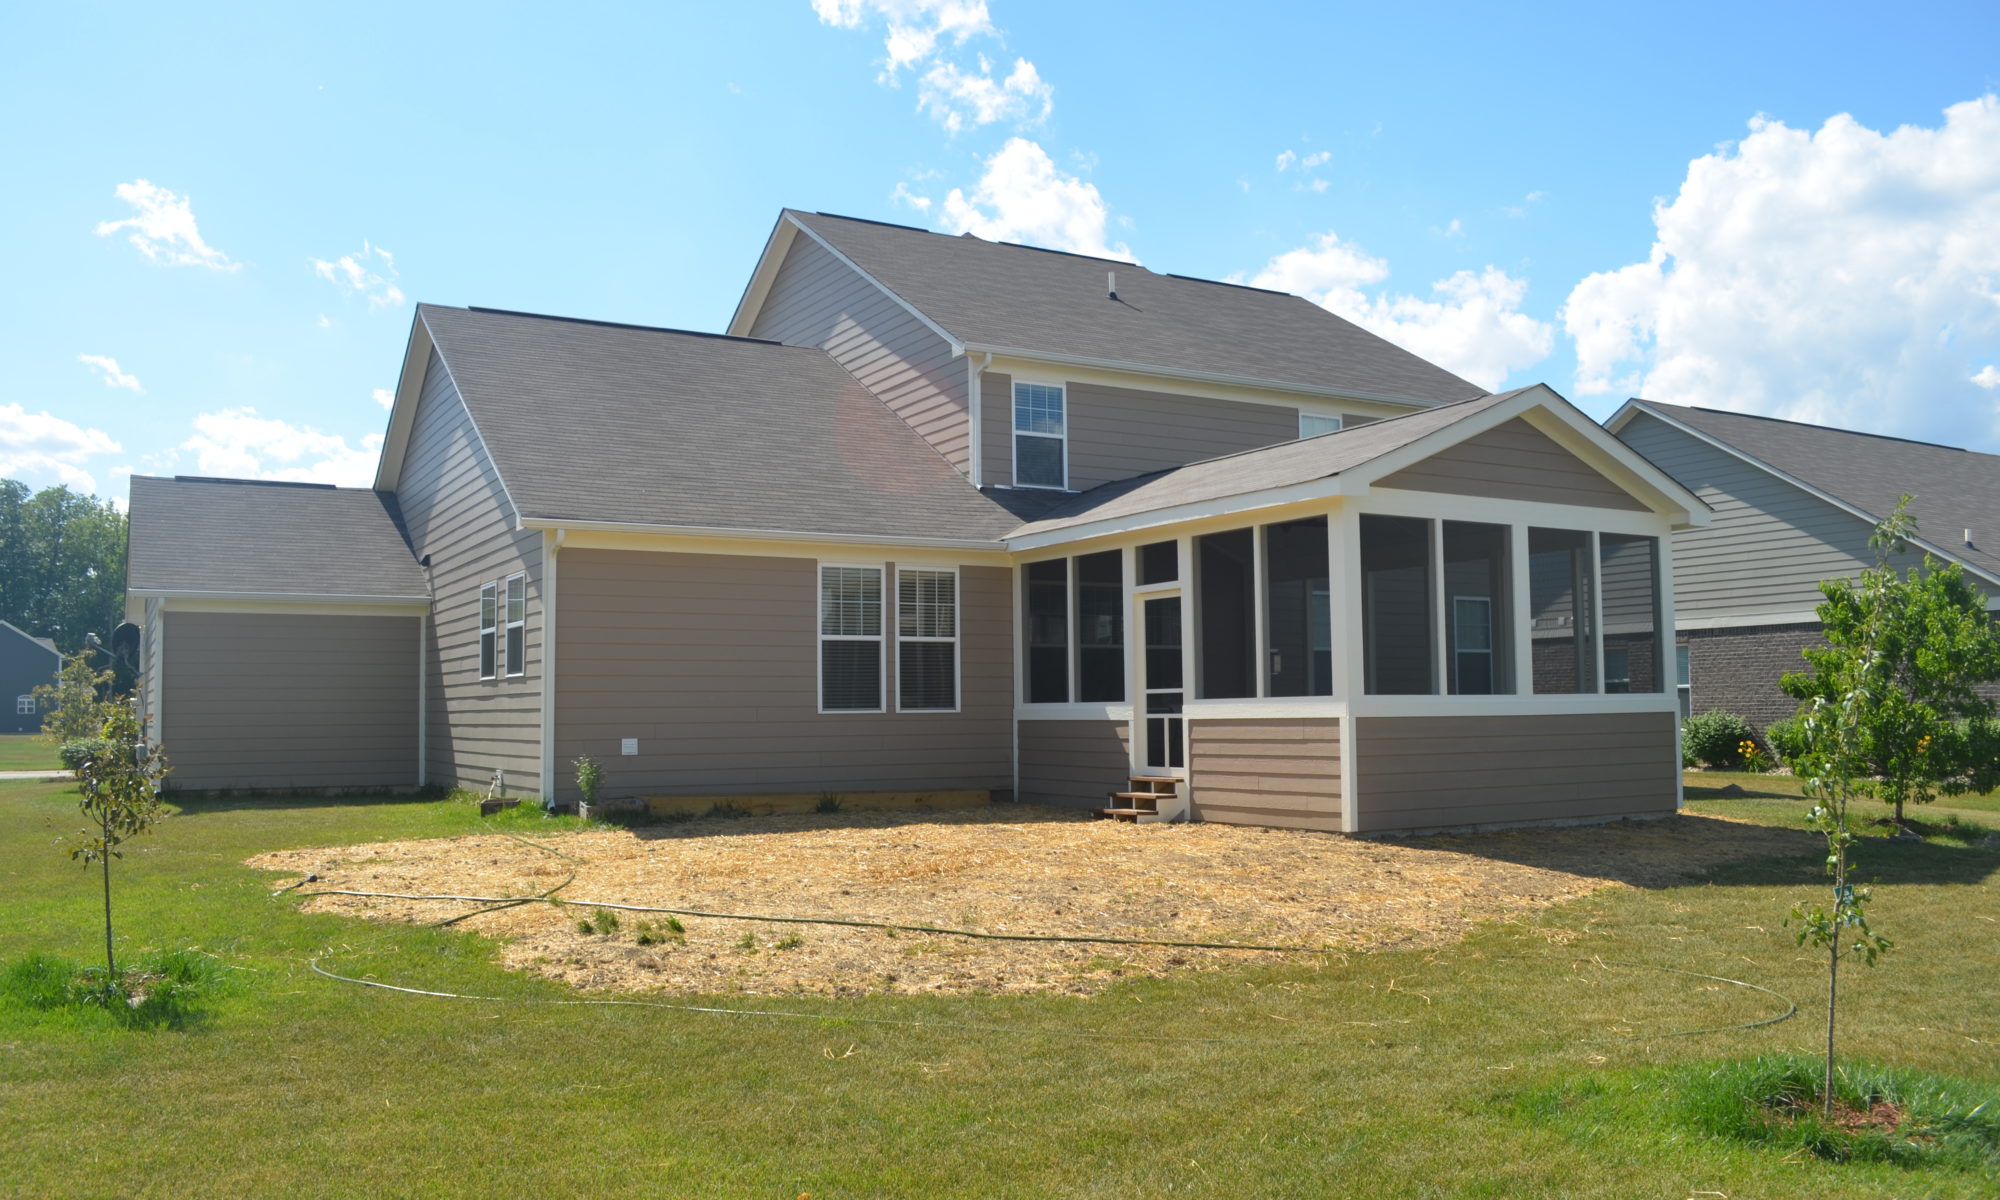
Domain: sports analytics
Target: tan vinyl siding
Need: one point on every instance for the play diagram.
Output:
(1074, 763)
(1266, 772)
(1770, 542)
(1116, 433)
(1438, 772)
(711, 661)
(816, 300)
(267, 700)
(1513, 461)
(457, 512)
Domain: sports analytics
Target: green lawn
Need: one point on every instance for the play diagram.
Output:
(1708, 785)
(1500, 1067)
(25, 752)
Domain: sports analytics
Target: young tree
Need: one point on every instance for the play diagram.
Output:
(76, 702)
(1923, 642)
(119, 785)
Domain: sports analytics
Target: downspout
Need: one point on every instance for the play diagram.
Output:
(974, 410)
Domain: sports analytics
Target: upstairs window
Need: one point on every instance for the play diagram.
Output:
(926, 640)
(24, 706)
(489, 614)
(517, 624)
(1314, 424)
(850, 639)
(1041, 427)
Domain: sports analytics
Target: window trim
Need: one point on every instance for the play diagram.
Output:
(1456, 681)
(510, 669)
(1339, 422)
(1016, 433)
(821, 637)
(26, 706)
(489, 607)
(957, 638)
(1684, 679)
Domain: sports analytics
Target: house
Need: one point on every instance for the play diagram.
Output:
(940, 514)
(1794, 504)
(26, 663)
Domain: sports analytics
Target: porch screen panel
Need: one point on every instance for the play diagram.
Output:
(1225, 615)
(850, 646)
(1628, 566)
(1046, 610)
(1100, 627)
(1562, 584)
(1298, 614)
(1396, 596)
(1478, 625)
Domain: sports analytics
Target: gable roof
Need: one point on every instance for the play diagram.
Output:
(237, 537)
(47, 644)
(1951, 489)
(596, 424)
(1043, 304)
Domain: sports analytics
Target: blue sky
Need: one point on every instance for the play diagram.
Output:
(1793, 211)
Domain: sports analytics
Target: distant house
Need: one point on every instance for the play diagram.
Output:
(1794, 504)
(26, 663)
(940, 514)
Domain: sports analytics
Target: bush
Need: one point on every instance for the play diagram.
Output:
(1787, 739)
(75, 753)
(1715, 739)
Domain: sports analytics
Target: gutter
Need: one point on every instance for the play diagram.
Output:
(1250, 381)
(995, 544)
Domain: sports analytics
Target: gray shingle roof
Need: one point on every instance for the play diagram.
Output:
(1043, 302)
(632, 425)
(1282, 465)
(1952, 489)
(47, 644)
(240, 536)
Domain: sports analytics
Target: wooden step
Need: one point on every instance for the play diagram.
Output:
(1126, 814)
(1154, 779)
(1136, 795)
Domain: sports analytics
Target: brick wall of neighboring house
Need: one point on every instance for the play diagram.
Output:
(1738, 669)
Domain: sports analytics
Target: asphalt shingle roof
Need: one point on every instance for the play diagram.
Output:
(242, 536)
(1044, 302)
(1952, 489)
(614, 423)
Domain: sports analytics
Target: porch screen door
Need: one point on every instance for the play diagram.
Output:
(1165, 743)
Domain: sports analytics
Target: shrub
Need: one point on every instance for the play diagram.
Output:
(1715, 739)
(589, 778)
(1787, 739)
(74, 753)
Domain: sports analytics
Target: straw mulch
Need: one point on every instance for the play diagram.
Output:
(1012, 869)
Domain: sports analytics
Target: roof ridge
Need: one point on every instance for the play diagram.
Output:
(1244, 286)
(1885, 437)
(535, 316)
(282, 483)
(1123, 262)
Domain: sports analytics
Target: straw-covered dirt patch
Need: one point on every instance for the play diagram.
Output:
(1002, 869)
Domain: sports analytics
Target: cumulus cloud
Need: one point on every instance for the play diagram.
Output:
(928, 38)
(371, 273)
(1844, 276)
(914, 28)
(384, 397)
(238, 442)
(107, 368)
(42, 446)
(1471, 323)
(163, 228)
(1024, 197)
(956, 97)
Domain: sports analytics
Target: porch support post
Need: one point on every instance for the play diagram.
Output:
(1522, 584)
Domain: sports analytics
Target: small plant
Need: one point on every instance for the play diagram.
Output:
(747, 943)
(828, 803)
(1715, 739)
(589, 778)
(789, 942)
(603, 922)
(1754, 760)
(727, 810)
(653, 933)
(119, 791)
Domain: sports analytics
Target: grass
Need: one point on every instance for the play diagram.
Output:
(1709, 785)
(26, 752)
(1504, 1066)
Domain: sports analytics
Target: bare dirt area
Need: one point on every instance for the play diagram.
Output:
(1002, 869)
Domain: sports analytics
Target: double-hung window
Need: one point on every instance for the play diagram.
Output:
(850, 639)
(517, 624)
(1041, 424)
(926, 640)
(489, 617)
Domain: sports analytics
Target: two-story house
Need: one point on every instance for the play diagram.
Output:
(940, 514)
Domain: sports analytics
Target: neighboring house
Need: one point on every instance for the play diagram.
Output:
(1794, 504)
(941, 514)
(26, 663)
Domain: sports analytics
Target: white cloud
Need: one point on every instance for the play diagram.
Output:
(914, 27)
(237, 442)
(1988, 377)
(362, 274)
(1471, 324)
(957, 98)
(928, 37)
(42, 446)
(903, 195)
(1287, 159)
(384, 397)
(1023, 197)
(164, 229)
(1455, 229)
(1847, 277)
(1520, 211)
(323, 322)
(108, 368)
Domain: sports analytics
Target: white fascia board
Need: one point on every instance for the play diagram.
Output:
(747, 317)
(1631, 408)
(776, 246)
(779, 535)
(403, 413)
(277, 597)
(1246, 381)
(1243, 502)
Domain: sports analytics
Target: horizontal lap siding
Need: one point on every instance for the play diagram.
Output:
(1513, 461)
(24, 666)
(1429, 772)
(711, 661)
(457, 512)
(1074, 763)
(816, 300)
(260, 700)
(1266, 772)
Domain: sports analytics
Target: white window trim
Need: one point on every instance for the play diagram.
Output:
(1339, 422)
(1684, 689)
(820, 636)
(1017, 433)
(957, 638)
(25, 706)
(489, 595)
(508, 667)
(1492, 635)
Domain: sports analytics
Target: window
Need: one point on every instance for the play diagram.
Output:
(1100, 627)
(1472, 645)
(1040, 450)
(1561, 589)
(1479, 581)
(850, 639)
(1628, 569)
(488, 629)
(1396, 595)
(1684, 680)
(1225, 615)
(1313, 424)
(1046, 610)
(24, 706)
(517, 624)
(1159, 562)
(1298, 616)
(926, 640)
(1617, 670)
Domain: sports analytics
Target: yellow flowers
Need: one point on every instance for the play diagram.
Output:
(1923, 743)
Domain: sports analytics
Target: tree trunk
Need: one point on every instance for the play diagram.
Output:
(1832, 981)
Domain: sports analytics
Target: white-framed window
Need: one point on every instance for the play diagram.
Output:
(926, 639)
(1314, 424)
(850, 639)
(517, 624)
(489, 630)
(1041, 441)
(1617, 670)
(24, 706)
(1684, 680)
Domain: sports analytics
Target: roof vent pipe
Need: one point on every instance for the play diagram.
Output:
(1968, 537)
(1111, 284)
